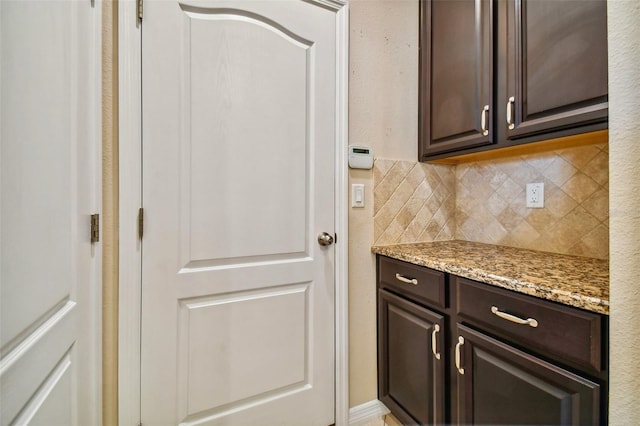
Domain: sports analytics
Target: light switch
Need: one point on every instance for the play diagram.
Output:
(357, 195)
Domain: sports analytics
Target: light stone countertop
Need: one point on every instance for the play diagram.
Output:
(575, 281)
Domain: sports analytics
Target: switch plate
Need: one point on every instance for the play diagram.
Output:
(535, 195)
(357, 195)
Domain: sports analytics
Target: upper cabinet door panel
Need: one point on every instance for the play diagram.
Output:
(557, 65)
(456, 74)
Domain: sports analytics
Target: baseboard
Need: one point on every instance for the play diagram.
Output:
(366, 412)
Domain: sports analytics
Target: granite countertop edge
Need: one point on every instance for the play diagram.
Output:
(419, 254)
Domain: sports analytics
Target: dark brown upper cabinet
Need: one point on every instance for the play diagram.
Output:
(556, 65)
(497, 73)
(456, 84)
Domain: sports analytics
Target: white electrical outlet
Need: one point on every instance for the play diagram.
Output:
(535, 195)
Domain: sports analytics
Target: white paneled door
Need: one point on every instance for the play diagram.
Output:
(49, 186)
(239, 131)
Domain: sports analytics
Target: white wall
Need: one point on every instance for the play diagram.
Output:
(624, 201)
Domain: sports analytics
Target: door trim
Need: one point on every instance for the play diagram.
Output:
(130, 198)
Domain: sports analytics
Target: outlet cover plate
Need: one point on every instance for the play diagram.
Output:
(535, 195)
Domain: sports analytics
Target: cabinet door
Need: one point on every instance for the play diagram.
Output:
(498, 384)
(411, 368)
(556, 67)
(456, 75)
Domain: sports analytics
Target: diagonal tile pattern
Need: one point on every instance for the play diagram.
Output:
(413, 202)
(485, 202)
(490, 204)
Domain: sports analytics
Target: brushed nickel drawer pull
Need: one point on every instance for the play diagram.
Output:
(434, 341)
(529, 321)
(406, 280)
(458, 346)
(483, 120)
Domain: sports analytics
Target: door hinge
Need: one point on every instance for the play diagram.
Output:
(139, 10)
(95, 228)
(140, 222)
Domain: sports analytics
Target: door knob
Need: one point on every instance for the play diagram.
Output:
(325, 239)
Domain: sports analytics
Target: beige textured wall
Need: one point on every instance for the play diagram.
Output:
(383, 83)
(624, 134)
(383, 111)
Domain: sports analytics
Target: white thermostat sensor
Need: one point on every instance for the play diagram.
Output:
(360, 157)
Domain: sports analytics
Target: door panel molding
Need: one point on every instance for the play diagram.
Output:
(130, 197)
(217, 13)
(50, 349)
(42, 406)
(202, 397)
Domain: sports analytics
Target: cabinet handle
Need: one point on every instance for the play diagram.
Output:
(458, 345)
(406, 280)
(434, 341)
(483, 120)
(529, 321)
(510, 106)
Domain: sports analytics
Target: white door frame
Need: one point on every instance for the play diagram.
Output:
(130, 198)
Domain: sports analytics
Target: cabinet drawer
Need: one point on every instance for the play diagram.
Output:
(563, 332)
(414, 282)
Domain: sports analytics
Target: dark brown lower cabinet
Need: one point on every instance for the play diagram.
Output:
(501, 385)
(411, 360)
(456, 351)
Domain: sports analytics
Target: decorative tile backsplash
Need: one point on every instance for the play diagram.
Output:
(413, 202)
(485, 201)
(491, 208)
